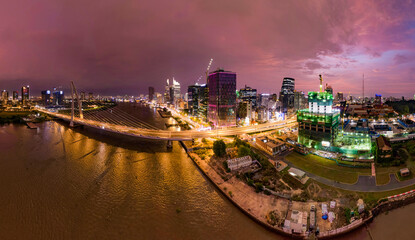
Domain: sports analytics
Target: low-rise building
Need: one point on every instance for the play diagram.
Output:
(270, 146)
(404, 172)
(238, 163)
(383, 149)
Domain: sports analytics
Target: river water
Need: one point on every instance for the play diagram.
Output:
(63, 183)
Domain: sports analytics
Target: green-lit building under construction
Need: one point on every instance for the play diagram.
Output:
(318, 125)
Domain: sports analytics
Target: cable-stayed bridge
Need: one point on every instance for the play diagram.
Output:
(112, 119)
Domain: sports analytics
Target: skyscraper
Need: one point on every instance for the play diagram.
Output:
(318, 125)
(339, 96)
(248, 94)
(58, 97)
(45, 97)
(193, 99)
(172, 91)
(150, 93)
(222, 98)
(4, 96)
(287, 93)
(378, 99)
(299, 100)
(25, 94)
(15, 95)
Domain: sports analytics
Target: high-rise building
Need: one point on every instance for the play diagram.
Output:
(15, 96)
(287, 93)
(25, 94)
(175, 93)
(339, 96)
(248, 94)
(263, 99)
(172, 91)
(4, 97)
(318, 125)
(222, 98)
(329, 89)
(299, 100)
(82, 96)
(58, 97)
(46, 100)
(150, 93)
(193, 98)
(378, 99)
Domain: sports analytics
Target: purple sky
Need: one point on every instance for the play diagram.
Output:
(121, 46)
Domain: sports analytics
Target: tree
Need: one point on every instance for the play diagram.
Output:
(219, 148)
(243, 151)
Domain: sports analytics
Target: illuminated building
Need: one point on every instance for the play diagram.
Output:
(150, 93)
(339, 96)
(318, 125)
(4, 97)
(329, 89)
(248, 94)
(222, 98)
(197, 100)
(378, 99)
(25, 94)
(193, 98)
(15, 95)
(287, 93)
(58, 97)
(172, 91)
(46, 97)
(299, 100)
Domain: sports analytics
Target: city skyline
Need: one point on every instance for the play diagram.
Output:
(142, 44)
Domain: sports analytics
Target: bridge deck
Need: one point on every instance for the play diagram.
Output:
(172, 135)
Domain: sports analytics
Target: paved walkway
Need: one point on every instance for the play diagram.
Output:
(363, 184)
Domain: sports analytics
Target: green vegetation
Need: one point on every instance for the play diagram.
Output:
(243, 151)
(382, 178)
(348, 215)
(292, 182)
(400, 178)
(219, 148)
(202, 153)
(326, 168)
(13, 116)
(403, 107)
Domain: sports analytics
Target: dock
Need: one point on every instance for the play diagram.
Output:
(31, 125)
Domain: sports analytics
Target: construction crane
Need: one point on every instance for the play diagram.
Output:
(207, 69)
(321, 83)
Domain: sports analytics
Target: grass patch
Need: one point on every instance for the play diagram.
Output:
(382, 178)
(326, 168)
(400, 178)
(370, 198)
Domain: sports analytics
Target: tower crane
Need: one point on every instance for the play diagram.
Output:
(207, 69)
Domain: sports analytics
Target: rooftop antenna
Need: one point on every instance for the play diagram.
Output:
(363, 88)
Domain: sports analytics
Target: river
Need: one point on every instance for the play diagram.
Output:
(63, 183)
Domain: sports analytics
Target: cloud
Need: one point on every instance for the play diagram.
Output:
(125, 46)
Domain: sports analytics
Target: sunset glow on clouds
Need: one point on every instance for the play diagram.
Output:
(126, 46)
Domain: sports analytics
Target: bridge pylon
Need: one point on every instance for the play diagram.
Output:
(81, 115)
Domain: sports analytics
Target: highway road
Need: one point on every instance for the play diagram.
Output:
(175, 135)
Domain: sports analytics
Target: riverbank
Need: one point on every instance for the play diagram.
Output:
(13, 116)
(236, 191)
(258, 206)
